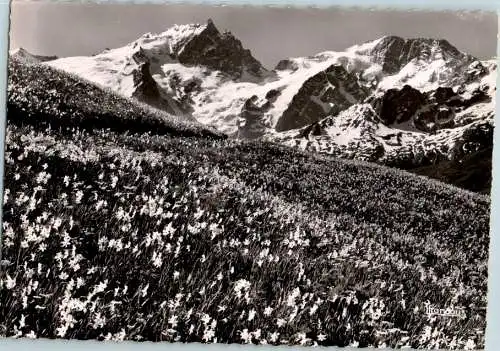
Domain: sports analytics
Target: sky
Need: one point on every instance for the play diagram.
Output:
(272, 34)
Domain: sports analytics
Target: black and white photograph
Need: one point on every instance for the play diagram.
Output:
(291, 176)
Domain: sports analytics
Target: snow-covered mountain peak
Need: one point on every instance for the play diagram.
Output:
(398, 51)
(367, 47)
(161, 47)
(188, 44)
(173, 40)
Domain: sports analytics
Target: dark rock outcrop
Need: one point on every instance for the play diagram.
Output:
(252, 123)
(146, 89)
(286, 64)
(393, 52)
(399, 105)
(315, 129)
(425, 111)
(221, 51)
(324, 94)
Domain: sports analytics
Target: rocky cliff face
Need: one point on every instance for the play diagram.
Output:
(358, 134)
(394, 52)
(252, 123)
(426, 112)
(222, 52)
(437, 122)
(326, 93)
(146, 89)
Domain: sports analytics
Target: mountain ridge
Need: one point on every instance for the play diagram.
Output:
(199, 73)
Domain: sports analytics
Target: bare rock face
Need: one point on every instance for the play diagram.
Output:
(252, 122)
(315, 129)
(337, 88)
(146, 89)
(221, 51)
(286, 64)
(426, 112)
(399, 106)
(393, 52)
(324, 94)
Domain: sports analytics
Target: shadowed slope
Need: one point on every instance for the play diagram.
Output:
(40, 94)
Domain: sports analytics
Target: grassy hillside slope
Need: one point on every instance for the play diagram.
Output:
(146, 236)
(473, 172)
(41, 95)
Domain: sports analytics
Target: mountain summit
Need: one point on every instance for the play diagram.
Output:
(222, 52)
(166, 69)
(393, 52)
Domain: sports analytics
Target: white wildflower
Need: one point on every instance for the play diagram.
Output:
(173, 321)
(10, 283)
(22, 321)
(251, 315)
(268, 311)
(274, 337)
(246, 336)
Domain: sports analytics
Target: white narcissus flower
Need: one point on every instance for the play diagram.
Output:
(10, 283)
(470, 345)
(22, 321)
(281, 322)
(173, 321)
(78, 196)
(251, 315)
(144, 291)
(205, 319)
(157, 260)
(246, 336)
(208, 335)
(268, 311)
(302, 338)
(274, 337)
